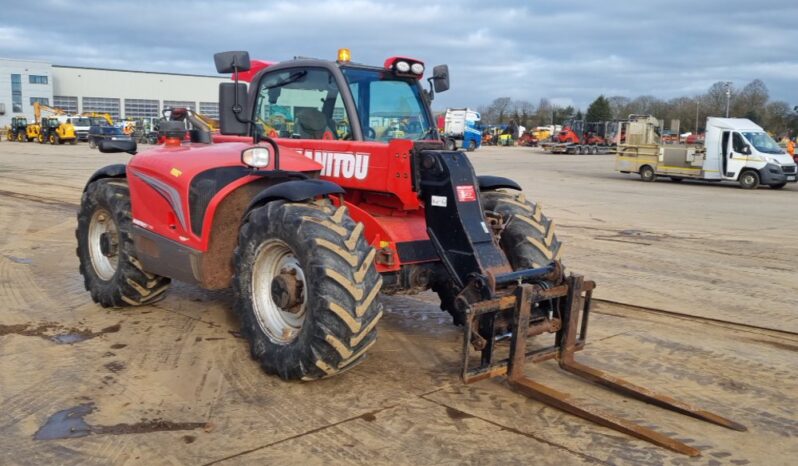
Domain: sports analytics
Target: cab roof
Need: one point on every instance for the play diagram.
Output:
(734, 124)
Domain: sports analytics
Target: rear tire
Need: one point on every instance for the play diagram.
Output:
(647, 173)
(528, 240)
(451, 145)
(111, 272)
(332, 320)
(749, 179)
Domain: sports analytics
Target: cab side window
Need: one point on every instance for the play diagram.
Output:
(737, 143)
(301, 103)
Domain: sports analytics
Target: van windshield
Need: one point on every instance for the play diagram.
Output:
(763, 142)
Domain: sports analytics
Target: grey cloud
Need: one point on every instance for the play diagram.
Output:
(526, 50)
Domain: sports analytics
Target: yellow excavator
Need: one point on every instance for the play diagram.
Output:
(98, 119)
(54, 130)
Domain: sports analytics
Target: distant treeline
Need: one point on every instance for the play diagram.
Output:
(752, 102)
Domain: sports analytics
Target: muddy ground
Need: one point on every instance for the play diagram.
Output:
(708, 273)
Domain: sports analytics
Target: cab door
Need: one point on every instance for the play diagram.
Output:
(737, 157)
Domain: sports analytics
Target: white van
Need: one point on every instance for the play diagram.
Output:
(736, 149)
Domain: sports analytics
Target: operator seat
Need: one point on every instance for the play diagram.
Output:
(312, 124)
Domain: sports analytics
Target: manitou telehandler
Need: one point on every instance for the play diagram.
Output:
(309, 224)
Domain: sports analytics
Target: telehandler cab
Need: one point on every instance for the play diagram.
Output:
(309, 204)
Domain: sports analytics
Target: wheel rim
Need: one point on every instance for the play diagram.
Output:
(748, 179)
(103, 244)
(274, 260)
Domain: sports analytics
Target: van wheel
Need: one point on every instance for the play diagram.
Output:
(471, 146)
(647, 173)
(749, 179)
(778, 186)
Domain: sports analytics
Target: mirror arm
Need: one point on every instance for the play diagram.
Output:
(431, 91)
(237, 109)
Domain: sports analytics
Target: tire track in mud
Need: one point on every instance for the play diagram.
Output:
(71, 206)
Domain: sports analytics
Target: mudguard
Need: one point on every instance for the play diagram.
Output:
(295, 191)
(488, 183)
(117, 170)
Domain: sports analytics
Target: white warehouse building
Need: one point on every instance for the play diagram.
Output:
(121, 93)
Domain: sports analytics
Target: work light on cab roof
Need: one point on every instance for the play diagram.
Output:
(403, 66)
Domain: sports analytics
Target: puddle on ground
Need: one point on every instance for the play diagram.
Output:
(19, 260)
(70, 423)
(68, 338)
(63, 335)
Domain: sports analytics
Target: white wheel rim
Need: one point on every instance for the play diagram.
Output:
(272, 258)
(103, 223)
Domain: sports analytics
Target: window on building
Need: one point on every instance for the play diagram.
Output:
(41, 100)
(16, 93)
(141, 108)
(66, 103)
(102, 105)
(35, 79)
(209, 109)
(179, 103)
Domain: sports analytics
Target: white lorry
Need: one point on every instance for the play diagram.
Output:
(461, 129)
(735, 149)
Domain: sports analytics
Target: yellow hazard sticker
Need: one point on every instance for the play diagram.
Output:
(175, 172)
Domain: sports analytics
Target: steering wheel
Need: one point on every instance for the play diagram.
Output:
(371, 133)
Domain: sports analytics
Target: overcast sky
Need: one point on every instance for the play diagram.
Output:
(525, 50)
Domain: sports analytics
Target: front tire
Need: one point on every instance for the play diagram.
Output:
(749, 179)
(528, 239)
(472, 146)
(306, 289)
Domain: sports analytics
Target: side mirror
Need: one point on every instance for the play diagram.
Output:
(229, 62)
(440, 78)
(108, 146)
(746, 150)
(232, 102)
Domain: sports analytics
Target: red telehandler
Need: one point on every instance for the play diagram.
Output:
(328, 185)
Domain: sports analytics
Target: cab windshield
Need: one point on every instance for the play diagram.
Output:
(388, 107)
(763, 142)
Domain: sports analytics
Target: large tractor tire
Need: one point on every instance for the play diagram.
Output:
(111, 272)
(528, 239)
(306, 289)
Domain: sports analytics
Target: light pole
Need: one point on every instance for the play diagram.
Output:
(697, 104)
(728, 97)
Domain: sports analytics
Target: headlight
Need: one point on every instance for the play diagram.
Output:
(256, 157)
(402, 66)
(417, 68)
(772, 160)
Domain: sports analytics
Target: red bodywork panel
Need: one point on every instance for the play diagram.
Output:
(376, 175)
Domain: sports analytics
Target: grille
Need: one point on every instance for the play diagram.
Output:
(789, 168)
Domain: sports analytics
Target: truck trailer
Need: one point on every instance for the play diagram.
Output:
(461, 129)
(735, 149)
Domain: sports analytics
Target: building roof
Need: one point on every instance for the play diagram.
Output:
(139, 71)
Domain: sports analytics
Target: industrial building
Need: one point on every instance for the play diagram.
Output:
(120, 93)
